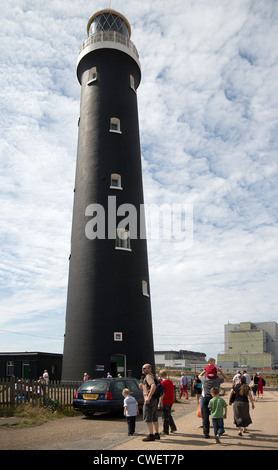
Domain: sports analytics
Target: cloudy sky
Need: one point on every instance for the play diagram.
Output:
(208, 122)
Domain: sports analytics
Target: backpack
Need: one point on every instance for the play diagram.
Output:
(159, 391)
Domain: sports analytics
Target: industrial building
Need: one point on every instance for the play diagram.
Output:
(253, 345)
(180, 359)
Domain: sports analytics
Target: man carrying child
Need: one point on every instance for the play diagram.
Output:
(208, 384)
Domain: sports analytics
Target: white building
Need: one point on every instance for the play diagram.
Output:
(180, 359)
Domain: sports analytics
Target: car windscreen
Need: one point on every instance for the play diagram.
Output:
(95, 386)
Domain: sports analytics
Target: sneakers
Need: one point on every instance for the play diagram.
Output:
(217, 439)
(164, 433)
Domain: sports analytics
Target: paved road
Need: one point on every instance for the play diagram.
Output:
(262, 435)
(106, 432)
(103, 431)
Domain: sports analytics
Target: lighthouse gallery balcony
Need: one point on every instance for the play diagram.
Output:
(109, 39)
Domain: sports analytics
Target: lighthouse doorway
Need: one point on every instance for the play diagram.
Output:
(118, 365)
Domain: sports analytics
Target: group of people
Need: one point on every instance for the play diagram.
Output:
(256, 383)
(207, 388)
(22, 386)
(42, 382)
(212, 404)
(151, 404)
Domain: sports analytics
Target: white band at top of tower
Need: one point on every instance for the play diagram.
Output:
(109, 29)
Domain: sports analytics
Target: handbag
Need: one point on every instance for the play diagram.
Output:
(199, 414)
(233, 397)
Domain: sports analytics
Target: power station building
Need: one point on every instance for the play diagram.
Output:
(108, 317)
(250, 344)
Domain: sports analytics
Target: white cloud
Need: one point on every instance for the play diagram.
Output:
(208, 122)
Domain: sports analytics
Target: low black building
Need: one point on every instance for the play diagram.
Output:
(30, 365)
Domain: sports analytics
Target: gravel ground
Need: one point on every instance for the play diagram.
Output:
(55, 434)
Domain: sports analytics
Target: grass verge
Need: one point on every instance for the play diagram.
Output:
(35, 414)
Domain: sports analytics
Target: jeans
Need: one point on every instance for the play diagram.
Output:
(218, 426)
(205, 414)
(131, 424)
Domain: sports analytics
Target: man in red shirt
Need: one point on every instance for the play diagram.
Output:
(167, 402)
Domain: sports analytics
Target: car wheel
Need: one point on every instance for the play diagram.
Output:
(89, 414)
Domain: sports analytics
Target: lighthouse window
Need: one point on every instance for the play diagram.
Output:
(115, 125)
(132, 83)
(123, 239)
(145, 288)
(92, 75)
(115, 181)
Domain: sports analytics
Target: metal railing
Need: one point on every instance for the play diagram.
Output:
(111, 36)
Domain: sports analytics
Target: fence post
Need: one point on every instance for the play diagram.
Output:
(19, 391)
(43, 394)
(12, 391)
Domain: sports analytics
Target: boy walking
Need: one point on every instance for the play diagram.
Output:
(167, 402)
(218, 409)
(131, 410)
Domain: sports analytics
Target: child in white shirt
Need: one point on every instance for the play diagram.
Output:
(131, 410)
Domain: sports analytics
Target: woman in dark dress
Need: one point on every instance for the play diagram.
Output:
(254, 385)
(241, 393)
(197, 387)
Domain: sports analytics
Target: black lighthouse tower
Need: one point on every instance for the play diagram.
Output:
(108, 318)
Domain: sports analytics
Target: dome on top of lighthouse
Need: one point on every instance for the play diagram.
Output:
(108, 20)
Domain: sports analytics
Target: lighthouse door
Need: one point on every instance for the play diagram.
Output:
(118, 365)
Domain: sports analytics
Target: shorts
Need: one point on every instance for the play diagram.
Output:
(150, 414)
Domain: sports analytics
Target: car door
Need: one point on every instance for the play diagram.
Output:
(135, 391)
(117, 387)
